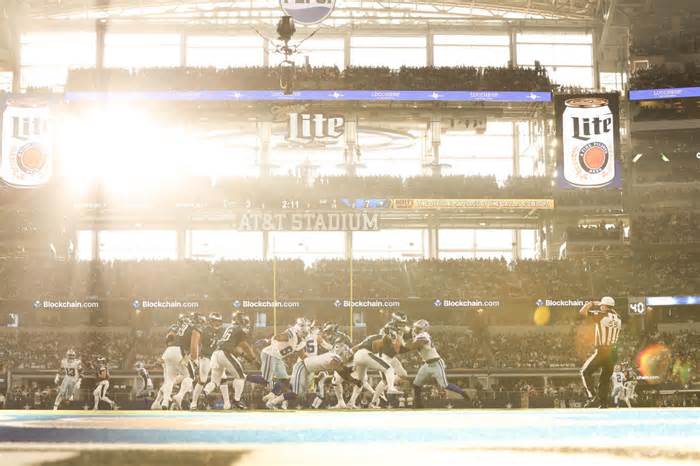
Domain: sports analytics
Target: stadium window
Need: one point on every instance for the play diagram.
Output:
(137, 244)
(388, 51)
(390, 154)
(316, 52)
(213, 245)
(458, 243)
(487, 154)
(308, 246)
(224, 51)
(142, 50)
(612, 82)
(471, 50)
(528, 244)
(84, 250)
(288, 159)
(260, 319)
(47, 57)
(390, 244)
(568, 57)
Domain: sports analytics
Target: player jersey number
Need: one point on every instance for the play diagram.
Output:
(287, 350)
(310, 346)
(70, 371)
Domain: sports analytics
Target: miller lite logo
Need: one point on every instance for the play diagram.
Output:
(26, 142)
(306, 127)
(588, 142)
(308, 11)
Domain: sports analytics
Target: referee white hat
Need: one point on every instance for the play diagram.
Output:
(608, 301)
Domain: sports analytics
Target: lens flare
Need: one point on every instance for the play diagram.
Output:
(654, 362)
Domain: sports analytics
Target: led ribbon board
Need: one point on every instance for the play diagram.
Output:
(660, 94)
(331, 95)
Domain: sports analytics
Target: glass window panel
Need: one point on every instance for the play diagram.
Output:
(554, 38)
(226, 244)
(71, 48)
(553, 54)
(84, 247)
(456, 238)
(388, 41)
(389, 244)
(499, 168)
(494, 239)
(571, 76)
(137, 244)
(470, 56)
(309, 246)
(459, 39)
(318, 52)
(141, 50)
(224, 51)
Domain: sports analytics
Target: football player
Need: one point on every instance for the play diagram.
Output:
(433, 368)
(398, 325)
(234, 340)
(102, 377)
(144, 384)
(71, 371)
(210, 335)
(331, 333)
(285, 344)
(618, 382)
(304, 369)
(367, 355)
(180, 360)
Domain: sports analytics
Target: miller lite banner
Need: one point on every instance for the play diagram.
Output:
(25, 141)
(588, 129)
(308, 11)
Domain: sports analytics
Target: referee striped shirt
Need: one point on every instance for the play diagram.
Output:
(607, 329)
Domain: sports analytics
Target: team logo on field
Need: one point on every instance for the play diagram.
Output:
(308, 11)
(593, 157)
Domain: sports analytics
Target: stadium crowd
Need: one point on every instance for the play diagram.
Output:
(316, 78)
(380, 279)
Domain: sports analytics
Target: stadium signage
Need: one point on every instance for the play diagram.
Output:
(307, 221)
(588, 129)
(472, 204)
(660, 94)
(26, 142)
(308, 11)
(308, 127)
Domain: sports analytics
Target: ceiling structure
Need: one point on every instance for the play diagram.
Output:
(347, 14)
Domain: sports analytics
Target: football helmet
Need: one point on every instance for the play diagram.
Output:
(420, 326)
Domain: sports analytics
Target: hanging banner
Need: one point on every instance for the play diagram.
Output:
(588, 131)
(26, 142)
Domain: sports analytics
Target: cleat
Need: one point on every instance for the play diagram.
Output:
(239, 405)
(592, 403)
(339, 406)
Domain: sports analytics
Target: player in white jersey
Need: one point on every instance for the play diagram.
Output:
(143, 386)
(71, 371)
(272, 366)
(618, 382)
(433, 368)
(304, 370)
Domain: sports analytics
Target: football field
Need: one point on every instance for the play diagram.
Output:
(406, 437)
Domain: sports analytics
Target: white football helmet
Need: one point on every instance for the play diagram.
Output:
(420, 326)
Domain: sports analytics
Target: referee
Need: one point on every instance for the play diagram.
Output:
(607, 330)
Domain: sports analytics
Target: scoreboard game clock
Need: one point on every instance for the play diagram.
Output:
(637, 305)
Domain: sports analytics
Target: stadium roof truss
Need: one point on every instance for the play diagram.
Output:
(348, 13)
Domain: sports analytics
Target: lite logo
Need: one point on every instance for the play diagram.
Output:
(308, 11)
(586, 128)
(308, 127)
